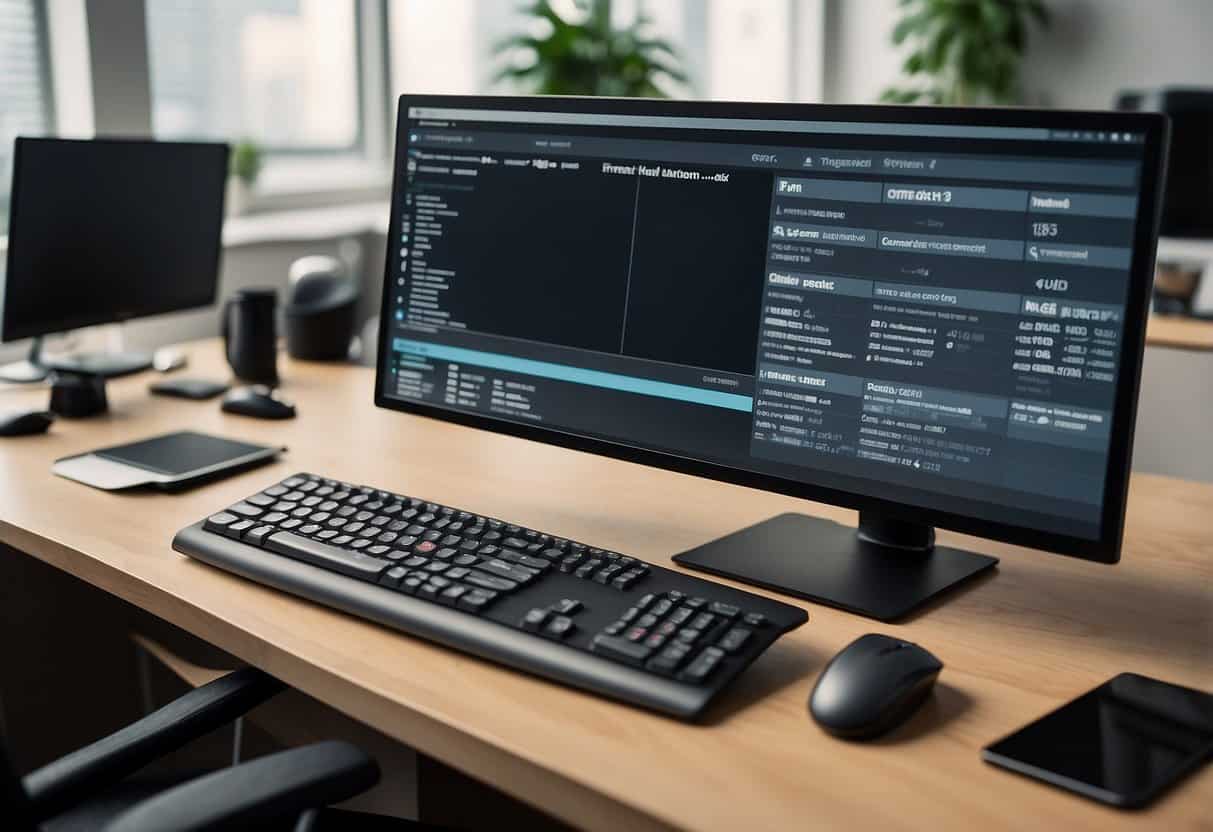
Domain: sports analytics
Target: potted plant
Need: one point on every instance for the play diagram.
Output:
(246, 162)
(588, 55)
(965, 52)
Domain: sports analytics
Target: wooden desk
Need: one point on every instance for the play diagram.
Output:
(1179, 332)
(1042, 630)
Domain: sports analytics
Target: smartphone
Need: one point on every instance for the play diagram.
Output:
(1123, 743)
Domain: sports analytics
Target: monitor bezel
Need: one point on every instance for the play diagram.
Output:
(1104, 549)
(18, 330)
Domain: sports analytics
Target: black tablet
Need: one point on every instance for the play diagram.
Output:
(1122, 743)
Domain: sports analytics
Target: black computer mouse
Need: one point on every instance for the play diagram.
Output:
(872, 686)
(24, 422)
(258, 401)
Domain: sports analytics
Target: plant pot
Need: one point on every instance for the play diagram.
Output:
(239, 196)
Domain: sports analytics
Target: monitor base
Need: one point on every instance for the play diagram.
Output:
(28, 371)
(22, 372)
(884, 569)
(104, 364)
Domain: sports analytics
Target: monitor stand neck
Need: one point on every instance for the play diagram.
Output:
(30, 370)
(890, 533)
(885, 569)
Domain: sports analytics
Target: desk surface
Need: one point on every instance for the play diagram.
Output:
(1179, 332)
(1015, 645)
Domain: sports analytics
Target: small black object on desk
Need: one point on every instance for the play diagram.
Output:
(78, 395)
(258, 401)
(25, 422)
(873, 685)
(188, 388)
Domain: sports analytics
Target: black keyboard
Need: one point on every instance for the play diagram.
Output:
(570, 612)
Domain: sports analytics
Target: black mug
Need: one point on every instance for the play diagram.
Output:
(249, 335)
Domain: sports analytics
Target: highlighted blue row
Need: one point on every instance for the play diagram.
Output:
(577, 375)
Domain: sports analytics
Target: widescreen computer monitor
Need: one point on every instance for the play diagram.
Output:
(105, 230)
(934, 316)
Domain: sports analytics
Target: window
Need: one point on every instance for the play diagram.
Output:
(762, 50)
(25, 107)
(283, 73)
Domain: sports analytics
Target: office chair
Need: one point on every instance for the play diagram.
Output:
(89, 789)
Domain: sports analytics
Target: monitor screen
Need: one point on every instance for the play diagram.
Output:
(102, 231)
(850, 304)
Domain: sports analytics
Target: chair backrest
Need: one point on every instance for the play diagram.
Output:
(14, 805)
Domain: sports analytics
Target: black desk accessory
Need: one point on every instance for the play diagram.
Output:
(78, 395)
(170, 461)
(320, 309)
(188, 388)
(258, 401)
(25, 422)
(872, 685)
(1122, 743)
(249, 335)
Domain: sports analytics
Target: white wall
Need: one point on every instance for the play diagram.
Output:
(1092, 49)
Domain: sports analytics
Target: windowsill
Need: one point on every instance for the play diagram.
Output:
(306, 224)
(311, 182)
(300, 225)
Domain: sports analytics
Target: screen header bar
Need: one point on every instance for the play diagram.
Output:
(957, 131)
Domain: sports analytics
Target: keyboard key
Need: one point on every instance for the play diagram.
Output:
(621, 649)
(274, 517)
(703, 665)
(425, 547)
(308, 529)
(327, 556)
(534, 619)
(238, 528)
(518, 574)
(755, 619)
(607, 573)
(451, 595)
(734, 639)
(475, 600)
(491, 582)
(669, 659)
(290, 523)
(725, 610)
(258, 535)
(393, 576)
(218, 523)
(680, 615)
(566, 606)
(559, 626)
(645, 600)
(262, 500)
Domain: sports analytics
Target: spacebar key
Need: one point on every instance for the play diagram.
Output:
(345, 561)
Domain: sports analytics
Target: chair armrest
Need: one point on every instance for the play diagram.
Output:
(275, 786)
(59, 785)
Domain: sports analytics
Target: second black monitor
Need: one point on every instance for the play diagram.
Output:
(105, 230)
